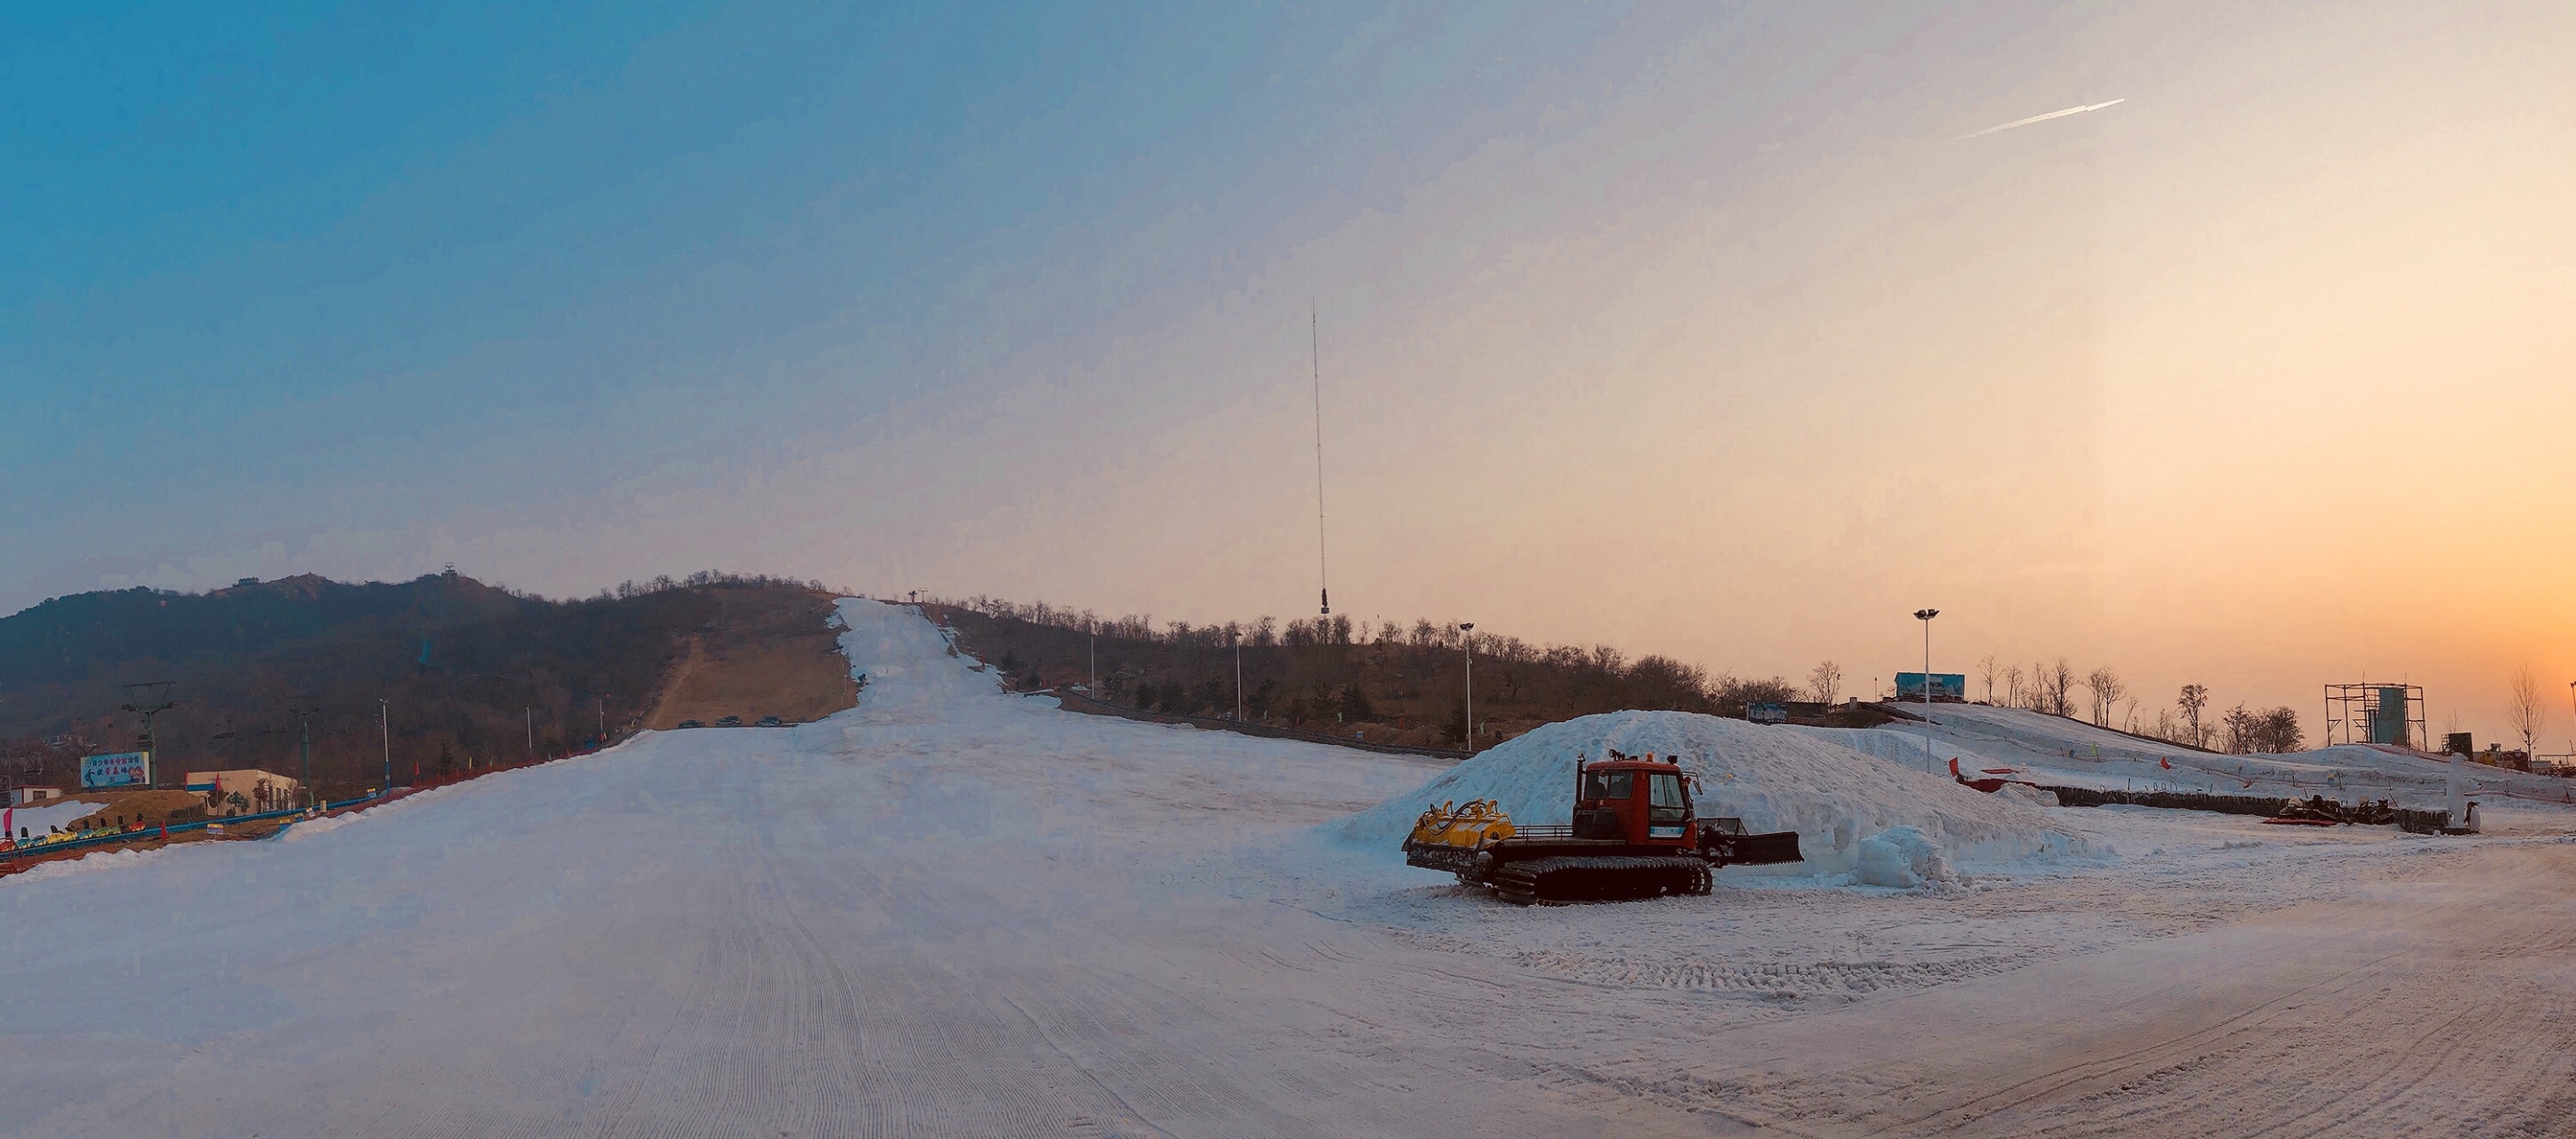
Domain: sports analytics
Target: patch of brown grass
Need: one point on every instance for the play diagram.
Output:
(762, 653)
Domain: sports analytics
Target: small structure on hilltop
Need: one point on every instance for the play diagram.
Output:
(249, 791)
(29, 796)
(2376, 713)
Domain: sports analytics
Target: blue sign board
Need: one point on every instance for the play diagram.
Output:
(122, 769)
(1945, 686)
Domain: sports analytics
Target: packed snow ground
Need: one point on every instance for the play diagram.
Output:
(956, 912)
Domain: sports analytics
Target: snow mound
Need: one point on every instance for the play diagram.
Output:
(87, 863)
(2035, 796)
(1903, 857)
(1774, 778)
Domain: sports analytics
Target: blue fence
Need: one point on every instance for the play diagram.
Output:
(112, 838)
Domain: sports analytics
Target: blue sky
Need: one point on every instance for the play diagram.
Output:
(341, 267)
(1692, 328)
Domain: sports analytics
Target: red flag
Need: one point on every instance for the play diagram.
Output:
(2168, 764)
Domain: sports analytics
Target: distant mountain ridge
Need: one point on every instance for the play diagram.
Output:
(461, 671)
(70, 639)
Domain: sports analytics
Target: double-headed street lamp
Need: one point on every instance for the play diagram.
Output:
(1467, 634)
(1926, 616)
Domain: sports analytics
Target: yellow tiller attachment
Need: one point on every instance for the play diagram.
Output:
(1470, 827)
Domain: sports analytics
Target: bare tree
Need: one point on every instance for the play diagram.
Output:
(2242, 730)
(2054, 683)
(2280, 731)
(2523, 707)
(2105, 685)
(1988, 669)
(2012, 687)
(2194, 698)
(2275, 731)
(1825, 681)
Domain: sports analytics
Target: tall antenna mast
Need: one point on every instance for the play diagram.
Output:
(1315, 343)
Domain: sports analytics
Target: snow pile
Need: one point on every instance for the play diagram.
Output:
(1903, 857)
(1900, 746)
(37, 820)
(66, 867)
(2035, 796)
(1774, 778)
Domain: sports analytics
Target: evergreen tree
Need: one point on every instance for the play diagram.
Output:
(1355, 705)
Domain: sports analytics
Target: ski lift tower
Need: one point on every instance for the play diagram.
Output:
(2376, 714)
(149, 698)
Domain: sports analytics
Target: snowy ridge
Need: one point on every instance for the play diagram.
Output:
(1774, 778)
(2059, 751)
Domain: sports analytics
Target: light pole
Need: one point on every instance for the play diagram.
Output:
(603, 720)
(1926, 616)
(1094, 630)
(385, 724)
(1467, 633)
(1238, 678)
(304, 731)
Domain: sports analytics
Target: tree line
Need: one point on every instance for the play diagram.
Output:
(1401, 680)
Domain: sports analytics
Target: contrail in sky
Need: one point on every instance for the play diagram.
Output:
(2039, 119)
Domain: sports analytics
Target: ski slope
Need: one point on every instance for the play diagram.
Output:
(951, 911)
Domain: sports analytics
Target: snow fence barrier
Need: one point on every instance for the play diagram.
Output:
(2409, 819)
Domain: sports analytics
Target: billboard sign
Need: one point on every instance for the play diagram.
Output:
(2389, 717)
(1945, 686)
(121, 769)
(1767, 713)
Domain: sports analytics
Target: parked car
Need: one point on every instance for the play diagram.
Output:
(772, 722)
(691, 724)
(730, 722)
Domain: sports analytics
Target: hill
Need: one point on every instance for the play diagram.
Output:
(461, 672)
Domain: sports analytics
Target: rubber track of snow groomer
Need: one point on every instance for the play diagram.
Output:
(1560, 881)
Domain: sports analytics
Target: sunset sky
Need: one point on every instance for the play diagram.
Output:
(1712, 330)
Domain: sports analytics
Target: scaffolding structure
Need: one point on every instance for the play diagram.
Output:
(2377, 714)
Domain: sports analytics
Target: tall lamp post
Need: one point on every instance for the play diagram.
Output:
(1238, 678)
(304, 738)
(1467, 633)
(1926, 616)
(385, 724)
